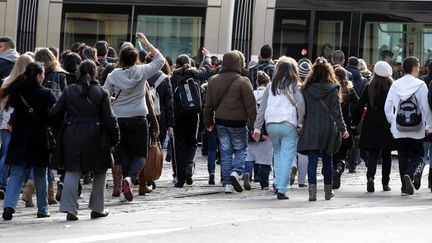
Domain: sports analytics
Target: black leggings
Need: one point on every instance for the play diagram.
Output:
(386, 164)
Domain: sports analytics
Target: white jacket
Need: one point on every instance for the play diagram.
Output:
(278, 109)
(402, 89)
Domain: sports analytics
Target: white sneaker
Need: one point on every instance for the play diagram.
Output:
(228, 188)
(235, 181)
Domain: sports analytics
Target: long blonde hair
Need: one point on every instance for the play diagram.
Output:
(19, 68)
(46, 57)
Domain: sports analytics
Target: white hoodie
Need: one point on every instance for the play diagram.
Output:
(402, 89)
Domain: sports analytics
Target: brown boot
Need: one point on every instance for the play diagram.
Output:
(51, 194)
(27, 194)
(143, 189)
(117, 179)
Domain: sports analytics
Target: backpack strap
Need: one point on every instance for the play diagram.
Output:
(158, 81)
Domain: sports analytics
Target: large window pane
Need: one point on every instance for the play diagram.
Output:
(291, 34)
(173, 35)
(91, 27)
(401, 39)
(329, 37)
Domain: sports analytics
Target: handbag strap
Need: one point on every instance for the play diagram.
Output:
(30, 109)
(291, 100)
(226, 92)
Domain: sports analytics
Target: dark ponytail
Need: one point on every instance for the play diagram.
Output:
(9, 94)
(87, 73)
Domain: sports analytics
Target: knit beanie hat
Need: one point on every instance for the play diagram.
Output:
(383, 69)
(304, 69)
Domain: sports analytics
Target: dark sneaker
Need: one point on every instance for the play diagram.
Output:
(8, 213)
(211, 179)
(408, 185)
(43, 215)
(95, 215)
(386, 188)
(71, 217)
(235, 181)
(336, 180)
(246, 181)
(370, 187)
(282, 196)
(189, 181)
(302, 185)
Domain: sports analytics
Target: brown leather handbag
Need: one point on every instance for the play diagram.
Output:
(153, 166)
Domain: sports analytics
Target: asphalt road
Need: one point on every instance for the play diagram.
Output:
(202, 213)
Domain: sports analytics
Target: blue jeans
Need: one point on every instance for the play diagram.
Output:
(4, 168)
(15, 182)
(313, 164)
(233, 141)
(284, 140)
(51, 178)
(212, 150)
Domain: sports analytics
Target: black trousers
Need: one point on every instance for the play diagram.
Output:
(185, 130)
(386, 164)
(410, 155)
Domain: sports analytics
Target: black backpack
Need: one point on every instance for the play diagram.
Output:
(188, 96)
(53, 85)
(409, 117)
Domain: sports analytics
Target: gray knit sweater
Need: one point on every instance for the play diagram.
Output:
(131, 85)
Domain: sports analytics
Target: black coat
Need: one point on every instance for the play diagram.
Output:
(375, 132)
(350, 101)
(56, 81)
(28, 145)
(89, 132)
(358, 80)
(6, 67)
(164, 90)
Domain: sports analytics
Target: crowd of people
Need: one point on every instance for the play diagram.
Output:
(81, 112)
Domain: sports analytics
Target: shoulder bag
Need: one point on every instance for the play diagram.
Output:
(337, 137)
(50, 139)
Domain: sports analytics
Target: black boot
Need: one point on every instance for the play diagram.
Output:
(338, 173)
(417, 175)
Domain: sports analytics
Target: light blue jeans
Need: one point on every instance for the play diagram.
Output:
(4, 168)
(15, 182)
(284, 140)
(233, 141)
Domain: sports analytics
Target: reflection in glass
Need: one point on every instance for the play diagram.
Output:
(173, 35)
(329, 38)
(92, 27)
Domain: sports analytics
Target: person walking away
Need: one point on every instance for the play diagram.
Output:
(8, 56)
(408, 112)
(186, 81)
(259, 153)
(319, 138)
(89, 132)
(127, 84)
(375, 125)
(283, 110)
(230, 106)
(349, 100)
(265, 64)
(28, 145)
(5, 133)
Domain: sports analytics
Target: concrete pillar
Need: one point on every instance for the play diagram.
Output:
(263, 22)
(219, 24)
(9, 11)
(48, 23)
